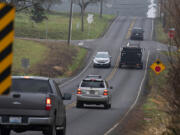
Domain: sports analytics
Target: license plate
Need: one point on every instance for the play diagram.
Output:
(92, 92)
(15, 120)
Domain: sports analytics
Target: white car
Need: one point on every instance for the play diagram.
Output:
(102, 59)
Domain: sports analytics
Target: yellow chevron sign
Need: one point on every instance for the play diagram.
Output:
(7, 14)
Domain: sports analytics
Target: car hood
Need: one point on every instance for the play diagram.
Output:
(101, 59)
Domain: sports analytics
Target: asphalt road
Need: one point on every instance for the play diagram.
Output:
(127, 83)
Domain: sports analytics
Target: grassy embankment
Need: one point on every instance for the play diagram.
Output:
(156, 119)
(54, 60)
(160, 34)
(56, 27)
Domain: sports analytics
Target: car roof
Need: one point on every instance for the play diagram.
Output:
(93, 77)
(105, 52)
(132, 48)
(31, 77)
(137, 28)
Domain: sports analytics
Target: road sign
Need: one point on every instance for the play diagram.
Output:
(90, 18)
(7, 14)
(171, 33)
(108, 5)
(158, 67)
(25, 63)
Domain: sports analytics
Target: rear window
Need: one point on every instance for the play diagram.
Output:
(92, 83)
(31, 86)
(137, 31)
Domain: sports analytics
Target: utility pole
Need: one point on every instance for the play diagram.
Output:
(82, 16)
(70, 23)
(101, 8)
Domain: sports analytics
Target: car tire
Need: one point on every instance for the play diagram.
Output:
(61, 132)
(52, 130)
(107, 105)
(141, 66)
(109, 66)
(4, 131)
(79, 104)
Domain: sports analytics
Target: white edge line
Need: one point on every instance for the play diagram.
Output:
(77, 75)
(132, 106)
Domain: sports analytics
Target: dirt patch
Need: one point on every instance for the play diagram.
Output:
(59, 57)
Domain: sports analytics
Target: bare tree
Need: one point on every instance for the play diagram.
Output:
(48, 3)
(172, 10)
(83, 5)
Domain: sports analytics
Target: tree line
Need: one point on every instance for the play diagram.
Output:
(170, 13)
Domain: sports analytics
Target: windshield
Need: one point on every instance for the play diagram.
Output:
(102, 55)
(93, 84)
(31, 86)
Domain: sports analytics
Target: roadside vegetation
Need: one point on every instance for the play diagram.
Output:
(160, 34)
(56, 26)
(160, 113)
(47, 59)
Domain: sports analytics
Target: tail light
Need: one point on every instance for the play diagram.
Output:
(105, 92)
(48, 104)
(79, 91)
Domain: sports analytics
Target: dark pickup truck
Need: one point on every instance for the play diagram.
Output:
(131, 56)
(34, 103)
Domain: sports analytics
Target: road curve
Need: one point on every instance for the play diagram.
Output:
(127, 83)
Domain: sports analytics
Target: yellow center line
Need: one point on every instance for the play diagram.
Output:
(111, 75)
(118, 59)
(114, 70)
(130, 28)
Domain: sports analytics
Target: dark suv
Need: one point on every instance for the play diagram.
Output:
(137, 34)
(131, 56)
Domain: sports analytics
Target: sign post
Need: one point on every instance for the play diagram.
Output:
(7, 14)
(90, 20)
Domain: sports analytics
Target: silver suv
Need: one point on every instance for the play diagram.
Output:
(93, 90)
(102, 59)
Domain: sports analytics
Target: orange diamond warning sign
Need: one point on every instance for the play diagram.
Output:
(158, 67)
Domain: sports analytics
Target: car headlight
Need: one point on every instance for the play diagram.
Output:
(95, 61)
(108, 61)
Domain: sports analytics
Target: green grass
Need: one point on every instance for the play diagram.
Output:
(78, 60)
(33, 51)
(56, 27)
(155, 102)
(43, 58)
(160, 34)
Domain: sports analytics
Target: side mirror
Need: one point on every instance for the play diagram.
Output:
(67, 96)
(111, 87)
